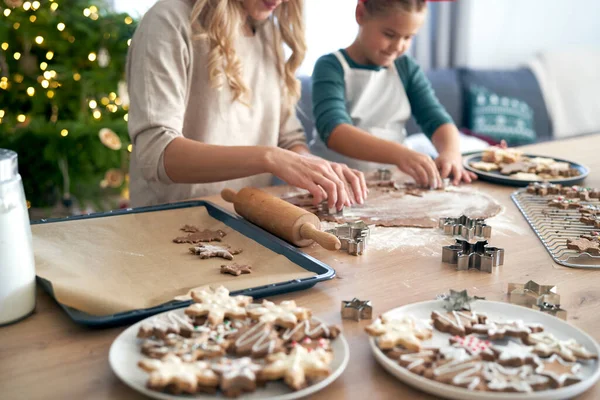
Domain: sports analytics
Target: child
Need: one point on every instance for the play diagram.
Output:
(212, 103)
(364, 94)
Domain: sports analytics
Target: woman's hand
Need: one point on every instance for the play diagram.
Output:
(337, 183)
(450, 163)
(420, 167)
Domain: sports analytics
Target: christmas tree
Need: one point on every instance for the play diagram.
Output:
(63, 102)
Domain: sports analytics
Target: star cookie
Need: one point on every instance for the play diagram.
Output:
(188, 349)
(513, 354)
(561, 373)
(456, 322)
(217, 305)
(237, 375)
(484, 166)
(391, 332)
(286, 314)
(209, 251)
(299, 367)
(545, 344)
(176, 376)
(499, 330)
(564, 203)
(418, 362)
(473, 345)
(257, 340)
(522, 379)
(236, 269)
(164, 324)
(583, 245)
(310, 329)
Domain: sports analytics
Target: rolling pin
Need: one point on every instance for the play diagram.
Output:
(281, 218)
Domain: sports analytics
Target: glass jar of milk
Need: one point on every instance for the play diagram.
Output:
(17, 267)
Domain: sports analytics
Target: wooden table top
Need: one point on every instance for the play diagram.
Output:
(49, 356)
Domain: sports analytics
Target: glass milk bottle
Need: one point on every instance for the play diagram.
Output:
(17, 267)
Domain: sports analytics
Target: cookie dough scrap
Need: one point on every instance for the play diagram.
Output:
(197, 236)
(205, 251)
(404, 331)
(217, 305)
(299, 367)
(236, 269)
(176, 376)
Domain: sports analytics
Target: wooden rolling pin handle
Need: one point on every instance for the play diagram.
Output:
(228, 195)
(326, 240)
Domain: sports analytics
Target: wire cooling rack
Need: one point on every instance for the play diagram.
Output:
(554, 226)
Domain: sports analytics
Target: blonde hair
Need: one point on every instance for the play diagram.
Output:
(380, 7)
(221, 22)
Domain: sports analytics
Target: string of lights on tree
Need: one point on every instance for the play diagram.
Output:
(62, 69)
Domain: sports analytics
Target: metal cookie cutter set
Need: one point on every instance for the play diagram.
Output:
(473, 255)
(354, 237)
(466, 227)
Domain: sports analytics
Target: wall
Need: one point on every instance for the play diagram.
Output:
(507, 33)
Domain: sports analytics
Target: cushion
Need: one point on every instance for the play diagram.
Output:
(499, 117)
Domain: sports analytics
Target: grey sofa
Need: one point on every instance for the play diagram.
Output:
(451, 86)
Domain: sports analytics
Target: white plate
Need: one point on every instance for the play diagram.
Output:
(590, 371)
(125, 353)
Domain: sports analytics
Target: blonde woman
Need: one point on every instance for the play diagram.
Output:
(212, 103)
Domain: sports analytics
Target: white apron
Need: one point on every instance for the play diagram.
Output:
(377, 103)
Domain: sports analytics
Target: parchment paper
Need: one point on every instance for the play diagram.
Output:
(114, 264)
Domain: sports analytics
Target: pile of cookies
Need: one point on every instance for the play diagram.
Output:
(204, 250)
(513, 163)
(482, 354)
(228, 343)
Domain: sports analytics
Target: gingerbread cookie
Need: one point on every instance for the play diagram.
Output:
(298, 368)
(456, 322)
(176, 376)
(465, 374)
(237, 375)
(310, 329)
(523, 166)
(593, 236)
(403, 331)
(589, 209)
(560, 372)
(217, 304)
(484, 166)
(589, 219)
(499, 330)
(545, 344)
(583, 245)
(188, 349)
(310, 344)
(236, 269)
(522, 379)
(419, 362)
(220, 333)
(564, 203)
(287, 314)
(474, 346)
(526, 176)
(513, 354)
(257, 340)
(197, 236)
(165, 324)
(209, 251)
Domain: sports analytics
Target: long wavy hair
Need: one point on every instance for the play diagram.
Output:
(221, 22)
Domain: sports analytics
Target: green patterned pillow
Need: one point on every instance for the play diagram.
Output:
(500, 117)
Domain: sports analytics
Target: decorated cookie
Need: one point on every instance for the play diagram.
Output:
(543, 188)
(463, 374)
(523, 166)
(221, 333)
(456, 322)
(523, 379)
(257, 340)
(310, 344)
(583, 245)
(205, 251)
(165, 324)
(188, 349)
(176, 376)
(299, 367)
(589, 209)
(474, 346)
(560, 372)
(237, 375)
(419, 362)
(217, 304)
(545, 344)
(287, 314)
(402, 331)
(484, 166)
(498, 330)
(310, 329)
(236, 269)
(591, 219)
(564, 203)
(197, 236)
(593, 236)
(513, 354)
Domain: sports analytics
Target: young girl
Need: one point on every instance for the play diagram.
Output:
(212, 103)
(364, 94)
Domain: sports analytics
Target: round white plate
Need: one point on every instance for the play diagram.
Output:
(590, 371)
(125, 353)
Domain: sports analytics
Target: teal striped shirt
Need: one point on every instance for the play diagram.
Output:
(329, 97)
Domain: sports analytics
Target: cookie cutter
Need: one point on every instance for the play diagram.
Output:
(323, 208)
(473, 255)
(465, 227)
(353, 236)
(357, 309)
(532, 293)
(383, 174)
(550, 308)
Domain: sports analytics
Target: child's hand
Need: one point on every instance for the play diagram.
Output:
(420, 167)
(451, 164)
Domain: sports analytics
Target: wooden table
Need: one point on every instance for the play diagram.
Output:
(48, 356)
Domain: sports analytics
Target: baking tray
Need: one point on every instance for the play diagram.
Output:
(266, 239)
(554, 226)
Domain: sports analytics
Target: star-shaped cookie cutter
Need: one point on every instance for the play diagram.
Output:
(473, 255)
(532, 293)
(353, 236)
(550, 308)
(357, 309)
(465, 227)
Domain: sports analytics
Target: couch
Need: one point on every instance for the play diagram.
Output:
(451, 86)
